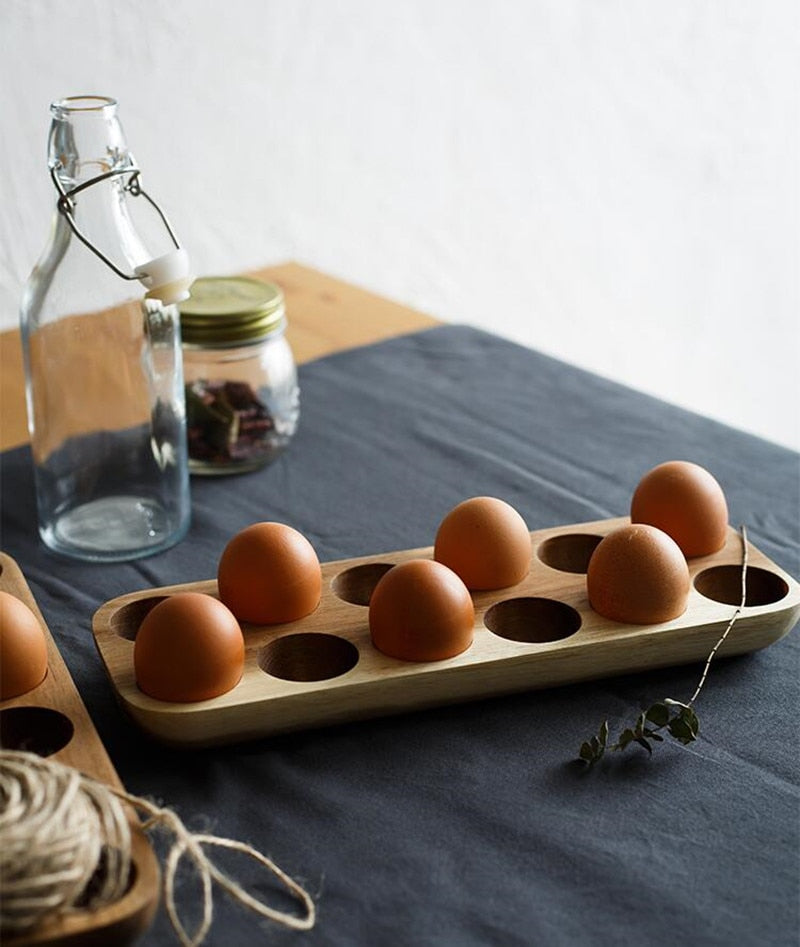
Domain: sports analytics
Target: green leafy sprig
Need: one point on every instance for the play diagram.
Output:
(673, 717)
(677, 719)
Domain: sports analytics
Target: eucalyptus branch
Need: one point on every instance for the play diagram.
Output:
(678, 719)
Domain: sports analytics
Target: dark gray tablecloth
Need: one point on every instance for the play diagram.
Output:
(469, 825)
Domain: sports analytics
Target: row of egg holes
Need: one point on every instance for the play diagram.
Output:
(316, 656)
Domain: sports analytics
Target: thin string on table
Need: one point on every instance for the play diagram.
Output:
(191, 844)
(736, 614)
(65, 846)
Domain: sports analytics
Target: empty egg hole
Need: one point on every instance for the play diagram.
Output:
(570, 552)
(127, 620)
(724, 584)
(308, 656)
(356, 585)
(38, 730)
(533, 620)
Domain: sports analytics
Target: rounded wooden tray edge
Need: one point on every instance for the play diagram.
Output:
(526, 665)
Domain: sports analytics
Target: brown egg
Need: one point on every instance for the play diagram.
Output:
(269, 573)
(188, 647)
(421, 611)
(685, 501)
(486, 542)
(638, 574)
(23, 648)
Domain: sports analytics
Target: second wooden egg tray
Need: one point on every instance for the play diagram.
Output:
(51, 721)
(540, 633)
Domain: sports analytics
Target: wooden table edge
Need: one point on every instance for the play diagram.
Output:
(324, 314)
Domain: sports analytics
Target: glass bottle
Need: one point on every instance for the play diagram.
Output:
(104, 379)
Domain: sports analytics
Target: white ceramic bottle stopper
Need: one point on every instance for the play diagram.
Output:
(167, 277)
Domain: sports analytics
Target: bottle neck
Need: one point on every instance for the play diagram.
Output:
(87, 142)
(86, 139)
(95, 173)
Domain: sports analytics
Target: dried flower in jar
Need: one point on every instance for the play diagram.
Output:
(226, 421)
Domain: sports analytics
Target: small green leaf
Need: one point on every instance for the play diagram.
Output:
(682, 731)
(688, 715)
(658, 714)
(652, 735)
(625, 738)
(590, 753)
(642, 742)
(603, 734)
(586, 753)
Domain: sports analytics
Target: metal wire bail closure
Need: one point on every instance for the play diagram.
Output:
(166, 277)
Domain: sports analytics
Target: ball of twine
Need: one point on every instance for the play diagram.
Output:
(65, 846)
(56, 828)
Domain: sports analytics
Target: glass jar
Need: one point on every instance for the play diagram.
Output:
(242, 398)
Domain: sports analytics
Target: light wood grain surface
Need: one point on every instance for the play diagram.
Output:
(325, 315)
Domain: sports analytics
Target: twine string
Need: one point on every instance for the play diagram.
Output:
(54, 834)
(65, 846)
(191, 844)
(736, 614)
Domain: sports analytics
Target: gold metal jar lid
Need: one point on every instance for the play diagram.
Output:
(225, 310)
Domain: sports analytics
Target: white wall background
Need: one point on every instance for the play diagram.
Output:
(615, 183)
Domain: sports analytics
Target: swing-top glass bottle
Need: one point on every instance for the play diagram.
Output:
(104, 379)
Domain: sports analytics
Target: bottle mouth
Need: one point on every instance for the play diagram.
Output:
(83, 103)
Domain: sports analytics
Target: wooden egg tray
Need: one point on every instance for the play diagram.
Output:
(540, 633)
(52, 721)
